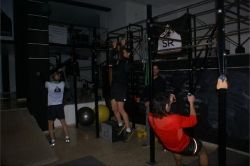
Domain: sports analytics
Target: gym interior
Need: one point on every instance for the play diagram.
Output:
(201, 47)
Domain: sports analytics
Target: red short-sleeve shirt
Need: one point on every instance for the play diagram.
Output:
(169, 130)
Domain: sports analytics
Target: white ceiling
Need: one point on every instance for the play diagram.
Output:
(90, 17)
(155, 3)
(159, 3)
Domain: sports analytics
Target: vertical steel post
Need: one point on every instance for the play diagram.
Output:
(107, 50)
(238, 22)
(75, 77)
(75, 88)
(221, 92)
(195, 41)
(96, 83)
(189, 51)
(152, 137)
(130, 44)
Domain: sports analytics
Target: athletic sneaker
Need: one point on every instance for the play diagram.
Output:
(120, 129)
(128, 136)
(67, 139)
(52, 143)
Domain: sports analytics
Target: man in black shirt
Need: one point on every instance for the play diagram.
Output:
(158, 86)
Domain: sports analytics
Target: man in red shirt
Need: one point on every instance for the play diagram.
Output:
(168, 127)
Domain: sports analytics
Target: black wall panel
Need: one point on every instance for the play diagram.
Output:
(38, 8)
(20, 32)
(238, 100)
(37, 96)
(37, 51)
(38, 62)
(37, 22)
(35, 36)
(211, 62)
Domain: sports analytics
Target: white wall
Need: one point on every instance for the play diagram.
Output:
(208, 19)
(12, 69)
(69, 111)
(65, 13)
(117, 16)
(7, 7)
(135, 12)
(131, 12)
(9, 49)
(104, 25)
(127, 13)
(84, 74)
(163, 9)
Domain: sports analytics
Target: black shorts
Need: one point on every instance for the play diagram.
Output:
(193, 148)
(119, 92)
(55, 111)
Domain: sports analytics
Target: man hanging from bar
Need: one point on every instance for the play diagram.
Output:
(119, 85)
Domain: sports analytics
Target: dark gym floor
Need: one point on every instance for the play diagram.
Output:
(83, 143)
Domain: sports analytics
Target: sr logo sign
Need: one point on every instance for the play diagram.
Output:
(169, 39)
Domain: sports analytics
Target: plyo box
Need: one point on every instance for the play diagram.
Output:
(109, 131)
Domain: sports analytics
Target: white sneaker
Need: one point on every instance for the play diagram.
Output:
(67, 139)
(52, 143)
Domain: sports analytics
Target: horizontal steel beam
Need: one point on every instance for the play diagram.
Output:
(83, 4)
